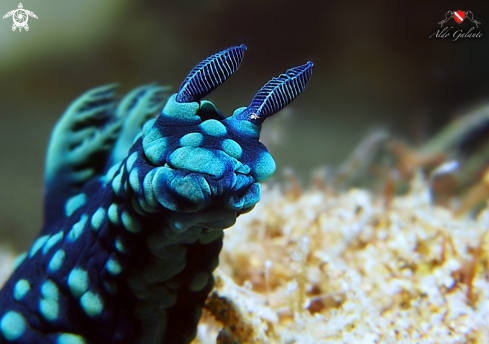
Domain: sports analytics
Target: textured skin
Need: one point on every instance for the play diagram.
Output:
(134, 218)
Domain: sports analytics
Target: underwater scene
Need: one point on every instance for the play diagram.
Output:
(244, 172)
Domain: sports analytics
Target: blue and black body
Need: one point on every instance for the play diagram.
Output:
(135, 209)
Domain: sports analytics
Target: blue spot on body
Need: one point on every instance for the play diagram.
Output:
(112, 171)
(91, 304)
(232, 148)
(192, 140)
(57, 260)
(264, 167)
(130, 223)
(48, 305)
(112, 213)
(134, 180)
(98, 219)
(52, 241)
(75, 203)
(21, 288)
(119, 245)
(213, 127)
(199, 281)
(77, 228)
(69, 338)
(131, 160)
(197, 159)
(113, 267)
(155, 150)
(19, 260)
(181, 112)
(243, 128)
(38, 244)
(78, 282)
(117, 183)
(13, 325)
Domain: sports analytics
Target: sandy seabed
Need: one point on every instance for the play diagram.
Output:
(321, 267)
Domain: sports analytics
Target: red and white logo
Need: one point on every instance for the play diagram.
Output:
(459, 17)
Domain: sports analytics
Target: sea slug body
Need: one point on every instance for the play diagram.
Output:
(135, 208)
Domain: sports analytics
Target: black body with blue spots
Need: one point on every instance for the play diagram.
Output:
(134, 215)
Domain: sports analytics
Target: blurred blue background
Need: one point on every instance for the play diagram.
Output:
(374, 66)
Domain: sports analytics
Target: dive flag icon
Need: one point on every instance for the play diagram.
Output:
(459, 16)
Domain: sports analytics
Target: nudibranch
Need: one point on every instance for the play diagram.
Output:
(135, 208)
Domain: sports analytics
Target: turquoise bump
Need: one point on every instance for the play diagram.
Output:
(112, 171)
(130, 223)
(48, 305)
(136, 206)
(264, 167)
(78, 282)
(49, 290)
(13, 325)
(148, 126)
(69, 338)
(57, 261)
(131, 160)
(38, 244)
(75, 203)
(232, 148)
(19, 260)
(199, 281)
(210, 236)
(113, 215)
(197, 159)
(21, 288)
(119, 245)
(155, 150)
(183, 112)
(134, 180)
(117, 182)
(194, 188)
(52, 241)
(192, 140)
(149, 196)
(77, 228)
(92, 304)
(49, 309)
(113, 267)
(213, 127)
(98, 219)
(243, 128)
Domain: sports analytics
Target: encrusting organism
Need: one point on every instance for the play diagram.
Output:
(135, 210)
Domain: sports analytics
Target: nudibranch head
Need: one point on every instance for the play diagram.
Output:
(198, 157)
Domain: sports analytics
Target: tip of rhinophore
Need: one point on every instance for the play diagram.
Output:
(244, 47)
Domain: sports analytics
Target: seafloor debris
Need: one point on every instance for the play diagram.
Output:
(343, 268)
(386, 164)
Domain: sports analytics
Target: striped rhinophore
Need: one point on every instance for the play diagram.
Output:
(210, 74)
(277, 93)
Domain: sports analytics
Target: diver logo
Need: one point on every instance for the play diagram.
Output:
(459, 17)
(20, 17)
